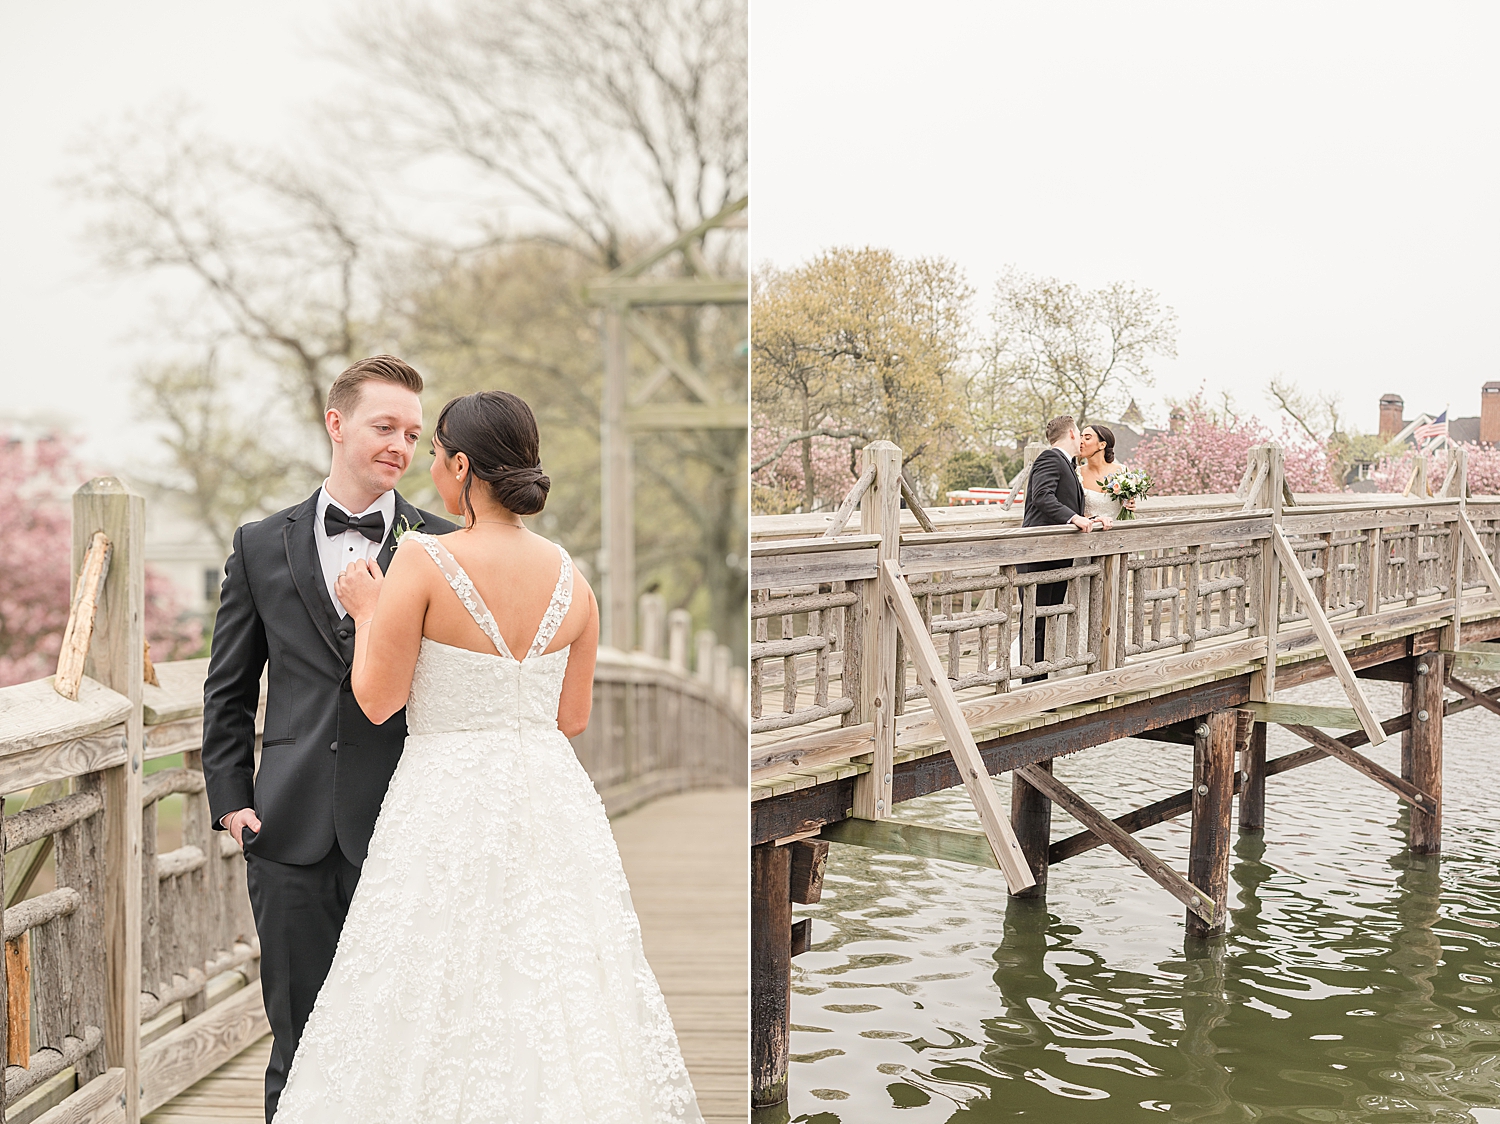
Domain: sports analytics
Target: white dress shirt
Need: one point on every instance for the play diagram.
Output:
(337, 551)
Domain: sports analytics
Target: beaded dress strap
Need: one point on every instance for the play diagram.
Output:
(557, 608)
(462, 586)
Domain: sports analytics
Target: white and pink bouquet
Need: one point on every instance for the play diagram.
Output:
(1127, 484)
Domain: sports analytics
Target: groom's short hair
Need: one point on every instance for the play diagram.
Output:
(344, 394)
(1058, 427)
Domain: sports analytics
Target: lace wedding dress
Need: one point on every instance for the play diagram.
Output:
(1097, 505)
(490, 968)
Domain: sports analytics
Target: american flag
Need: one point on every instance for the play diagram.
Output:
(1433, 431)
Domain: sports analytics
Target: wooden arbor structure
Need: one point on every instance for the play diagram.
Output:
(138, 974)
(627, 409)
(1181, 627)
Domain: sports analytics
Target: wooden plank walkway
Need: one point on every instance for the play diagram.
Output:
(685, 858)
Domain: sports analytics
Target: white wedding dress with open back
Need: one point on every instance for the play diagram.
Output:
(490, 969)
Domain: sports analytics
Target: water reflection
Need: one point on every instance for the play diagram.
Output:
(1357, 982)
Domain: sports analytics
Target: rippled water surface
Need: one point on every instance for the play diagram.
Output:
(1356, 983)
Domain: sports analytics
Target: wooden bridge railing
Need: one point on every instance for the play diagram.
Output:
(1152, 599)
(138, 974)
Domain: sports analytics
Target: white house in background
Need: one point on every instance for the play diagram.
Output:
(178, 548)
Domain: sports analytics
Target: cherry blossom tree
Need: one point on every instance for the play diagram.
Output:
(1209, 451)
(1392, 472)
(37, 478)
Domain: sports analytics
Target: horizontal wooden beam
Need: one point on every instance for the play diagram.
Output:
(1121, 840)
(1360, 763)
(957, 549)
(1332, 717)
(687, 415)
(96, 1103)
(1473, 659)
(195, 1049)
(806, 807)
(1178, 733)
(627, 293)
(896, 837)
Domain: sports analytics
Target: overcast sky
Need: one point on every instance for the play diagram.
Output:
(71, 336)
(1312, 187)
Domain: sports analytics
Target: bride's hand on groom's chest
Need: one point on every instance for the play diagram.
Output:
(358, 588)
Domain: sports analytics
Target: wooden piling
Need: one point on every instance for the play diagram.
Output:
(1423, 753)
(770, 972)
(1214, 742)
(1031, 817)
(1253, 786)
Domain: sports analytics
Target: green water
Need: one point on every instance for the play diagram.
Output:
(1356, 982)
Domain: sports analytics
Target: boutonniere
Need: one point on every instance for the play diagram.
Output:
(403, 528)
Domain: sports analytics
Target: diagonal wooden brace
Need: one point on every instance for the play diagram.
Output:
(1474, 695)
(1121, 840)
(1358, 761)
(1486, 566)
(851, 501)
(1326, 636)
(955, 728)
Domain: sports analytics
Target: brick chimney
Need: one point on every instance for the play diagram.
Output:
(1176, 420)
(1489, 413)
(1392, 409)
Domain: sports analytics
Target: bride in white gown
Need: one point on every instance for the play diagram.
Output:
(490, 968)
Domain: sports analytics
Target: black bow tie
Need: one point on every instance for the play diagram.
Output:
(336, 521)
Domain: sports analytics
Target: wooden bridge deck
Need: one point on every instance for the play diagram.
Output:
(685, 858)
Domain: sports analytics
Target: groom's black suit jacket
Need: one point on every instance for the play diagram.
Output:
(324, 766)
(1054, 494)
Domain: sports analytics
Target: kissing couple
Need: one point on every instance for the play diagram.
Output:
(446, 931)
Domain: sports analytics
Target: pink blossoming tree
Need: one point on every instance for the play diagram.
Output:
(1209, 452)
(36, 482)
(1392, 473)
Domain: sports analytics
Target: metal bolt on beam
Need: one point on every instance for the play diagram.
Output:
(1421, 716)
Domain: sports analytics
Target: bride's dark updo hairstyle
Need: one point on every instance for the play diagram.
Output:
(1107, 438)
(497, 432)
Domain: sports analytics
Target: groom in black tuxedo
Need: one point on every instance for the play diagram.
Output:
(1054, 497)
(305, 818)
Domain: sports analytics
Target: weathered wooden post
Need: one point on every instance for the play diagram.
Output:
(704, 643)
(679, 624)
(617, 525)
(1215, 739)
(1456, 486)
(1031, 818)
(1253, 781)
(879, 514)
(653, 608)
(1422, 753)
(1266, 465)
(116, 659)
(770, 972)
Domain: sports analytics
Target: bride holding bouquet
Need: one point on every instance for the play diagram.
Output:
(1109, 492)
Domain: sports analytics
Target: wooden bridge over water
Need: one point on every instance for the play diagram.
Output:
(891, 648)
(131, 968)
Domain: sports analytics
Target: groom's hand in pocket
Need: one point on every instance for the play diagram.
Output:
(236, 822)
